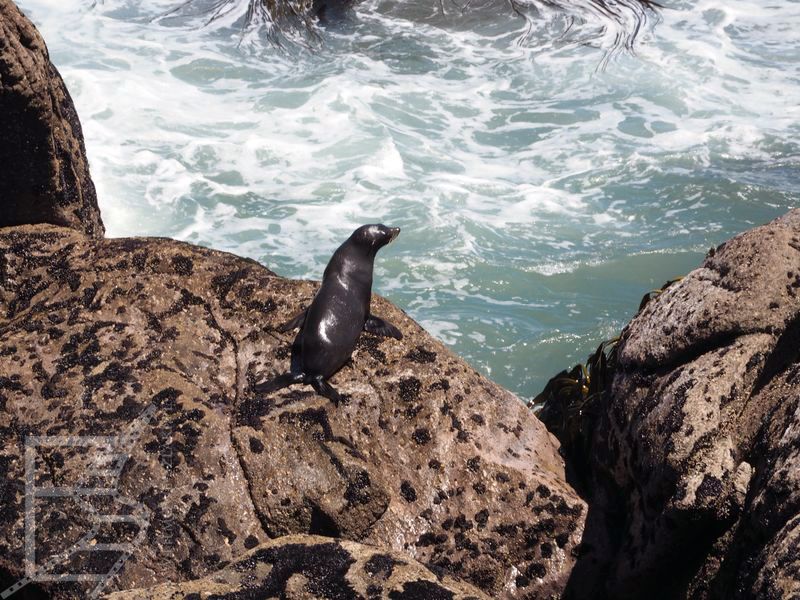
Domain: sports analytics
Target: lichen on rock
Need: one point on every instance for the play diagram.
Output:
(300, 567)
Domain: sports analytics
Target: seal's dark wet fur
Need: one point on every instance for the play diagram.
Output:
(338, 314)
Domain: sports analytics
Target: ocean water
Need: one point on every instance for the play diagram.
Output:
(547, 167)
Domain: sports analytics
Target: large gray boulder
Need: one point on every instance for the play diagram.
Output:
(694, 455)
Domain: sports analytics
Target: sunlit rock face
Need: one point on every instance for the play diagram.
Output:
(306, 566)
(695, 453)
(427, 457)
(127, 372)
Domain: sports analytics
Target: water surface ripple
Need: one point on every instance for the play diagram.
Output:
(544, 176)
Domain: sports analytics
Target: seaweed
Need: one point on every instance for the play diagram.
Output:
(657, 292)
(571, 401)
(567, 403)
(295, 21)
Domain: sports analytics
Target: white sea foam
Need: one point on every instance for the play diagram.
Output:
(529, 164)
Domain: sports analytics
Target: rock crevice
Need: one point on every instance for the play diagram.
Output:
(693, 443)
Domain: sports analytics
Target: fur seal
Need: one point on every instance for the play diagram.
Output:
(337, 315)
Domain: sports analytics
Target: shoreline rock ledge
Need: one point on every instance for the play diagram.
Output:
(427, 458)
(127, 365)
(691, 464)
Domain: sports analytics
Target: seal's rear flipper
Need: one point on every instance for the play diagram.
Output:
(378, 326)
(293, 323)
(323, 388)
(280, 382)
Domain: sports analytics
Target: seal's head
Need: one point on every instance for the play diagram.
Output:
(374, 237)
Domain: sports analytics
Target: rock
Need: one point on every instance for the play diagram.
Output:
(45, 175)
(300, 567)
(695, 457)
(427, 458)
(141, 355)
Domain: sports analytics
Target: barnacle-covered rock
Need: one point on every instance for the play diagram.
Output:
(695, 460)
(299, 567)
(426, 458)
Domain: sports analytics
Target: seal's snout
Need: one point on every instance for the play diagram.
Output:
(374, 237)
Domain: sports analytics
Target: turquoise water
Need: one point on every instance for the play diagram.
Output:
(544, 179)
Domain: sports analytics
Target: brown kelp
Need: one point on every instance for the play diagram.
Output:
(612, 25)
(569, 403)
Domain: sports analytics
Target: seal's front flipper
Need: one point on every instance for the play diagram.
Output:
(296, 361)
(294, 323)
(323, 388)
(280, 382)
(378, 326)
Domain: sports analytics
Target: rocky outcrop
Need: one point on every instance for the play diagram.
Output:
(136, 454)
(300, 567)
(427, 458)
(45, 175)
(694, 457)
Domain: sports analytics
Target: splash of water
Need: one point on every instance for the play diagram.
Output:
(539, 195)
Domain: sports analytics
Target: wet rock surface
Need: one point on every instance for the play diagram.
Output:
(695, 458)
(303, 566)
(45, 174)
(425, 457)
